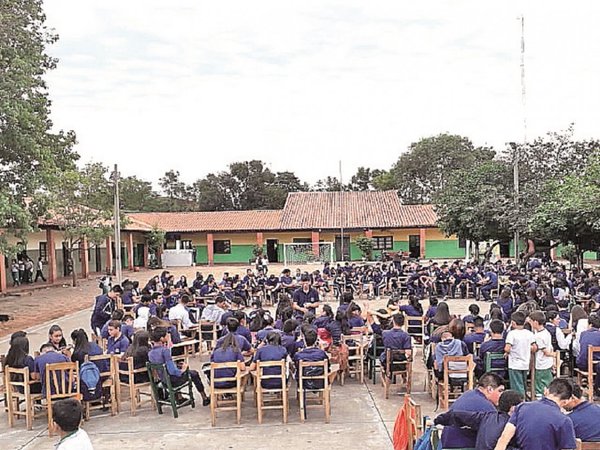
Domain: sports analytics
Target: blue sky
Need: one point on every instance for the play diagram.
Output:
(195, 85)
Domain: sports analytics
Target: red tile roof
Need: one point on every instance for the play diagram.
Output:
(368, 209)
(255, 220)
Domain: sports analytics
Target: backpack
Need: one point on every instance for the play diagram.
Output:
(90, 382)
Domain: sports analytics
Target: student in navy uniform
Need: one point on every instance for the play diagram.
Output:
(473, 312)
(288, 338)
(590, 337)
(160, 354)
(18, 357)
(489, 282)
(228, 350)
(394, 339)
(312, 353)
(104, 306)
(272, 351)
(541, 424)
(83, 347)
(484, 398)
(232, 328)
(117, 342)
(48, 355)
(489, 425)
(585, 416)
(433, 302)
(117, 314)
(305, 298)
(354, 316)
(494, 345)
(477, 336)
(56, 338)
(242, 329)
(326, 316)
(413, 309)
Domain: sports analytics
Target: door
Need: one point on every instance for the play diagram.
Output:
(272, 245)
(138, 255)
(66, 259)
(338, 248)
(98, 259)
(414, 246)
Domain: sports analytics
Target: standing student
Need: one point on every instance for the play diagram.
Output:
(305, 298)
(40, 270)
(518, 348)
(66, 414)
(544, 353)
(541, 424)
(104, 305)
(14, 271)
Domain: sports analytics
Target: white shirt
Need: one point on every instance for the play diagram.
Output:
(582, 325)
(520, 349)
(179, 312)
(76, 441)
(543, 341)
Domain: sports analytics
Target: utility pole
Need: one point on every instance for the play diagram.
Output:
(342, 214)
(117, 221)
(516, 148)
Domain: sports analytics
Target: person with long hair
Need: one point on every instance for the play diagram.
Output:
(413, 309)
(18, 357)
(82, 347)
(325, 317)
(138, 350)
(579, 323)
(228, 350)
(272, 351)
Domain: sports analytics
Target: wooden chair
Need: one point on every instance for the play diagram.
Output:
(317, 383)
(587, 445)
(189, 347)
(62, 381)
(356, 356)
(462, 375)
(164, 393)
(18, 390)
(396, 364)
(209, 333)
(276, 397)
(373, 360)
(3, 384)
(109, 385)
(417, 336)
(414, 420)
(126, 378)
(586, 377)
(217, 402)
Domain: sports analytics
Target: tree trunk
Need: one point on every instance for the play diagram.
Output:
(476, 252)
(488, 253)
(579, 255)
(530, 251)
(72, 265)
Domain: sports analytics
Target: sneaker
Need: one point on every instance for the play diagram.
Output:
(206, 401)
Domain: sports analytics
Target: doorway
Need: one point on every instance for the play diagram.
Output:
(414, 246)
(138, 255)
(272, 250)
(66, 259)
(98, 258)
(346, 248)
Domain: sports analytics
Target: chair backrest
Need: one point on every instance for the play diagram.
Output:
(360, 330)
(410, 324)
(489, 365)
(209, 328)
(105, 363)
(62, 380)
(593, 357)
(214, 366)
(260, 371)
(459, 367)
(396, 361)
(157, 373)
(313, 375)
(16, 378)
(414, 420)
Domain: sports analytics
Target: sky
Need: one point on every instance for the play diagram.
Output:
(195, 85)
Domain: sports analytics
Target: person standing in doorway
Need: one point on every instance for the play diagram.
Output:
(40, 271)
(14, 270)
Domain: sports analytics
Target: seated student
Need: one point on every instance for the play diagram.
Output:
(345, 300)
(237, 304)
(18, 357)
(228, 350)
(181, 313)
(272, 351)
(505, 302)
(442, 317)
(268, 323)
(473, 313)
(433, 303)
(326, 316)
(117, 342)
(160, 354)
(213, 313)
(311, 353)
(83, 347)
(494, 345)
(353, 313)
(338, 327)
(585, 416)
(242, 330)
(127, 326)
(541, 424)
(67, 414)
(477, 336)
(232, 328)
(563, 310)
(172, 334)
(413, 309)
(395, 339)
(288, 338)
(483, 398)
(449, 346)
(56, 338)
(117, 314)
(489, 424)
(138, 350)
(590, 337)
(48, 355)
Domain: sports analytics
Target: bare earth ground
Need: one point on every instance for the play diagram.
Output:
(361, 417)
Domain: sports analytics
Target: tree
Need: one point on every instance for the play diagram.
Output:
(79, 213)
(32, 157)
(365, 245)
(155, 240)
(329, 184)
(138, 195)
(363, 179)
(425, 169)
(179, 195)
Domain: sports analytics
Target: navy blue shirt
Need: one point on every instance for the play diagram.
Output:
(492, 346)
(588, 338)
(162, 355)
(586, 418)
(311, 354)
(395, 339)
(118, 346)
(271, 353)
(228, 355)
(489, 425)
(473, 338)
(288, 341)
(243, 343)
(40, 362)
(300, 298)
(541, 425)
(103, 307)
(455, 437)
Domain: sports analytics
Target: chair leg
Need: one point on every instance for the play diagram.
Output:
(285, 405)
(29, 413)
(173, 404)
(213, 406)
(133, 397)
(302, 400)
(50, 431)
(238, 401)
(259, 404)
(327, 401)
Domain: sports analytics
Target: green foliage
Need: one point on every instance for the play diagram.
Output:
(257, 250)
(569, 252)
(424, 170)
(155, 239)
(364, 179)
(365, 245)
(329, 184)
(32, 157)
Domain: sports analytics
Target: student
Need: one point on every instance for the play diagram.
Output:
(117, 342)
(138, 350)
(489, 425)
(353, 313)
(127, 327)
(48, 355)
(494, 345)
(40, 270)
(505, 302)
(483, 398)
(312, 353)
(83, 347)
(228, 350)
(585, 416)
(442, 317)
(541, 424)
(338, 327)
(473, 313)
(117, 314)
(261, 335)
(433, 304)
(213, 313)
(518, 348)
(272, 351)
(396, 339)
(413, 309)
(544, 353)
(18, 357)
(56, 338)
(232, 328)
(449, 346)
(242, 329)
(181, 313)
(477, 336)
(559, 340)
(104, 305)
(288, 338)
(160, 354)
(590, 337)
(66, 414)
(325, 318)
(305, 298)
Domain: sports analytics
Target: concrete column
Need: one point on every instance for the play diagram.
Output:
(3, 284)
(130, 251)
(109, 265)
(315, 242)
(50, 246)
(369, 234)
(422, 239)
(83, 252)
(210, 249)
(259, 239)
(145, 255)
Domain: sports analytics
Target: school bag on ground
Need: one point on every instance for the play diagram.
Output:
(90, 382)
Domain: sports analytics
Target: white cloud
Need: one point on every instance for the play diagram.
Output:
(195, 85)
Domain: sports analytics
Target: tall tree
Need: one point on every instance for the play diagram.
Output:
(32, 157)
(363, 179)
(138, 195)
(179, 194)
(329, 184)
(425, 168)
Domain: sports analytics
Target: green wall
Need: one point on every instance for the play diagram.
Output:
(443, 249)
(239, 254)
(201, 254)
(400, 246)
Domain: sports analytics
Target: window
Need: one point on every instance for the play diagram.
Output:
(44, 251)
(383, 243)
(186, 245)
(222, 247)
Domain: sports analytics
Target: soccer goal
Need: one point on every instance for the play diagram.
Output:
(308, 253)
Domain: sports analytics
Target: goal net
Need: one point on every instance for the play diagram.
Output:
(306, 253)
